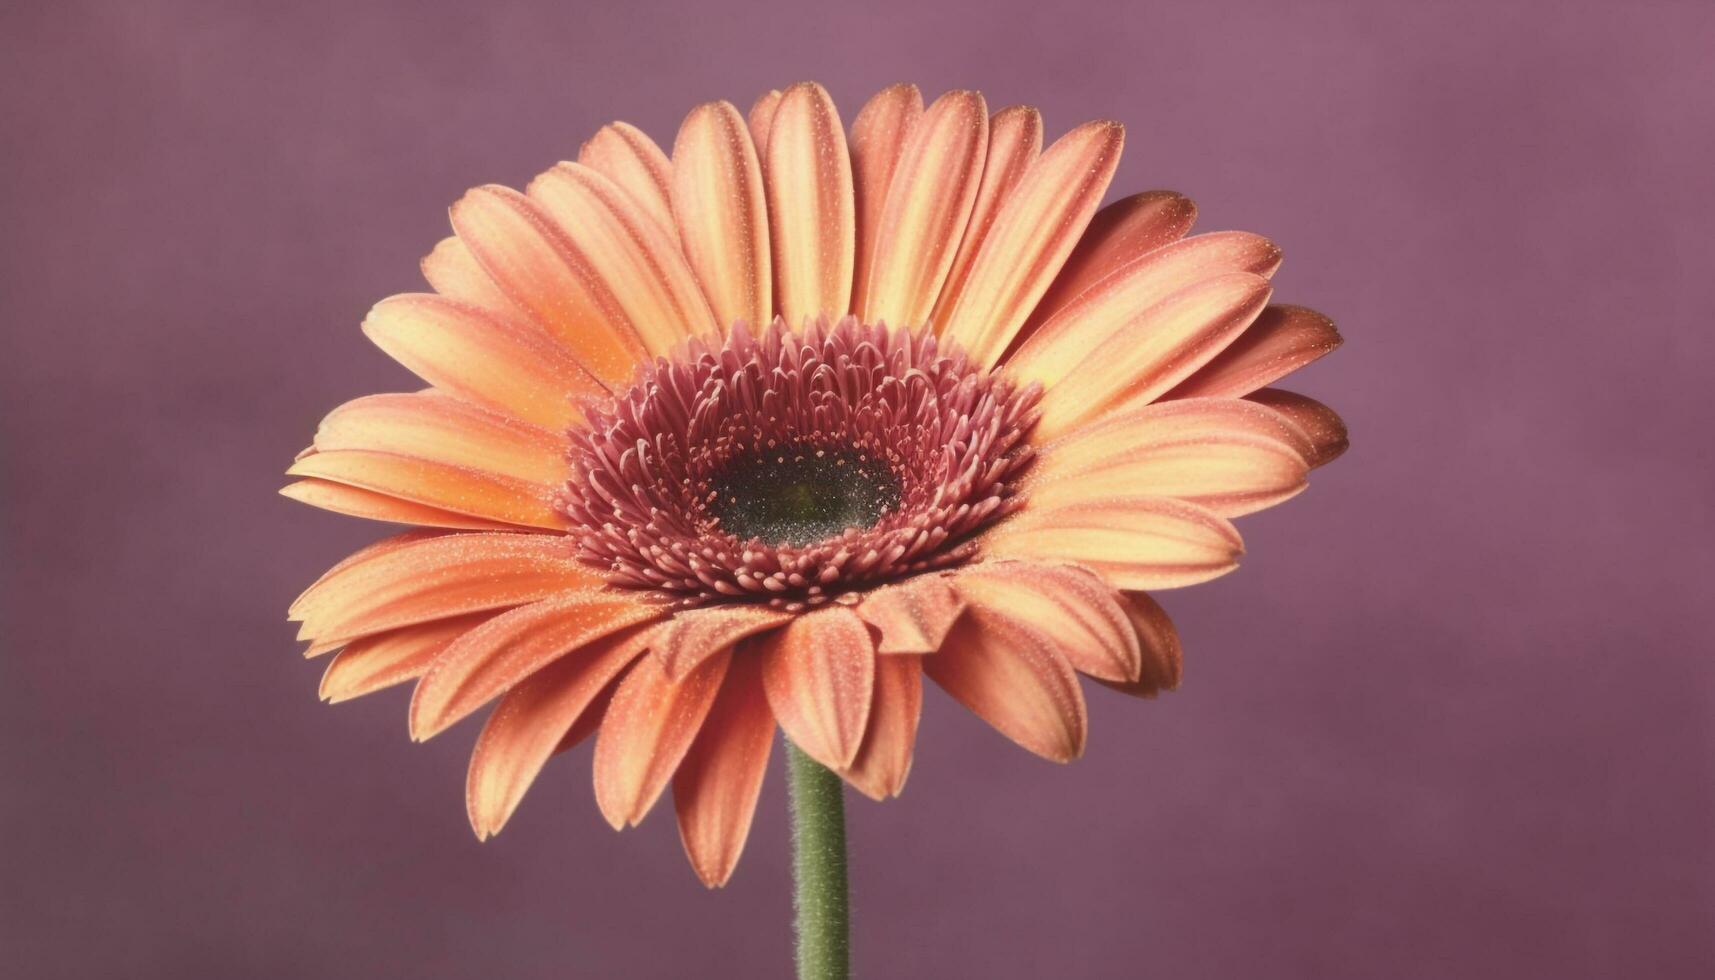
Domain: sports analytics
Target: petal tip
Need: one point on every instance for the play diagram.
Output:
(713, 878)
(615, 819)
(808, 85)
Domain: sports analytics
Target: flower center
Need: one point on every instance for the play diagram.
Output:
(793, 468)
(796, 496)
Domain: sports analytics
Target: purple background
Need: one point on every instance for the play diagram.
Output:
(1453, 718)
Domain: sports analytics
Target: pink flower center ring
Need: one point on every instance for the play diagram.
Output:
(791, 467)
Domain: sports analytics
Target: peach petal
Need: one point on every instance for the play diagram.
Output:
(433, 426)
(928, 205)
(357, 502)
(485, 662)
(879, 134)
(1159, 347)
(532, 721)
(505, 363)
(1133, 542)
(819, 672)
(761, 117)
(1031, 238)
(1163, 660)
(717, 784)
(1219, 453)
(1233, 476)
(373, 663)
(648, 728)
(1015, 141)
(442, 486)
(636, 259)
(884, 760)
(1013, 677)
(1326, 431)
(367, 553)
(454, 273)
(719, 205)
(1111, 307)
(529, 258)
(1073, 605)
(319, 647)
(912, 616)
(694, 635)
(811, 220)
(626, 155)
(417, 578)
(1282, 340)
(1183, 415)
(1119, 234)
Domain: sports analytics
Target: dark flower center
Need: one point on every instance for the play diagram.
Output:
(792, 468)
(799, 495)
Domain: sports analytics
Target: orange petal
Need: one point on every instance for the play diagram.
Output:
(442, 452)
(694, 635)
(418, 578)
(810, 210)
(1163, 660)
(1119, 234)
(716, 786)
(1219, 453)
(455, 274)
(440, 486)
(625, 155)
(1055, 349)
(503, 362)
(1013, 677)
(761, 118)
(1157, 349)
(375, 662)
(1282, 340)
(928, 205)
(884, 760)
(483, 663)
(647, 730)
(531, 261)
(1073, 605)
(513, 646)
(1322, 424)
(718, 203)
(879, 134)
(1239, 415)
(319, 647)
(369, 552)
(819, 672)
(439, 428)
(376, 549)
(1031, 238)
(1133, 542)
(532, 721)
(636, 258)
(357, 502)
(1015, 141)
(914, 615)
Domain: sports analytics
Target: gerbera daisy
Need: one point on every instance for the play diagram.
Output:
(764, 431)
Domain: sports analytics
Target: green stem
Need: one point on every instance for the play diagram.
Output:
(819, 869)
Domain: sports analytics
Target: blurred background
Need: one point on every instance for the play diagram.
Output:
(1454, 717)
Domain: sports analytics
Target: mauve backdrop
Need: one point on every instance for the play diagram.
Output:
(1453, 718)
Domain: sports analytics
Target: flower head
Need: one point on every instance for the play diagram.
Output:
(764, 432)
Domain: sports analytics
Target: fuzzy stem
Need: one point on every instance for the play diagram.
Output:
(819, 869)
